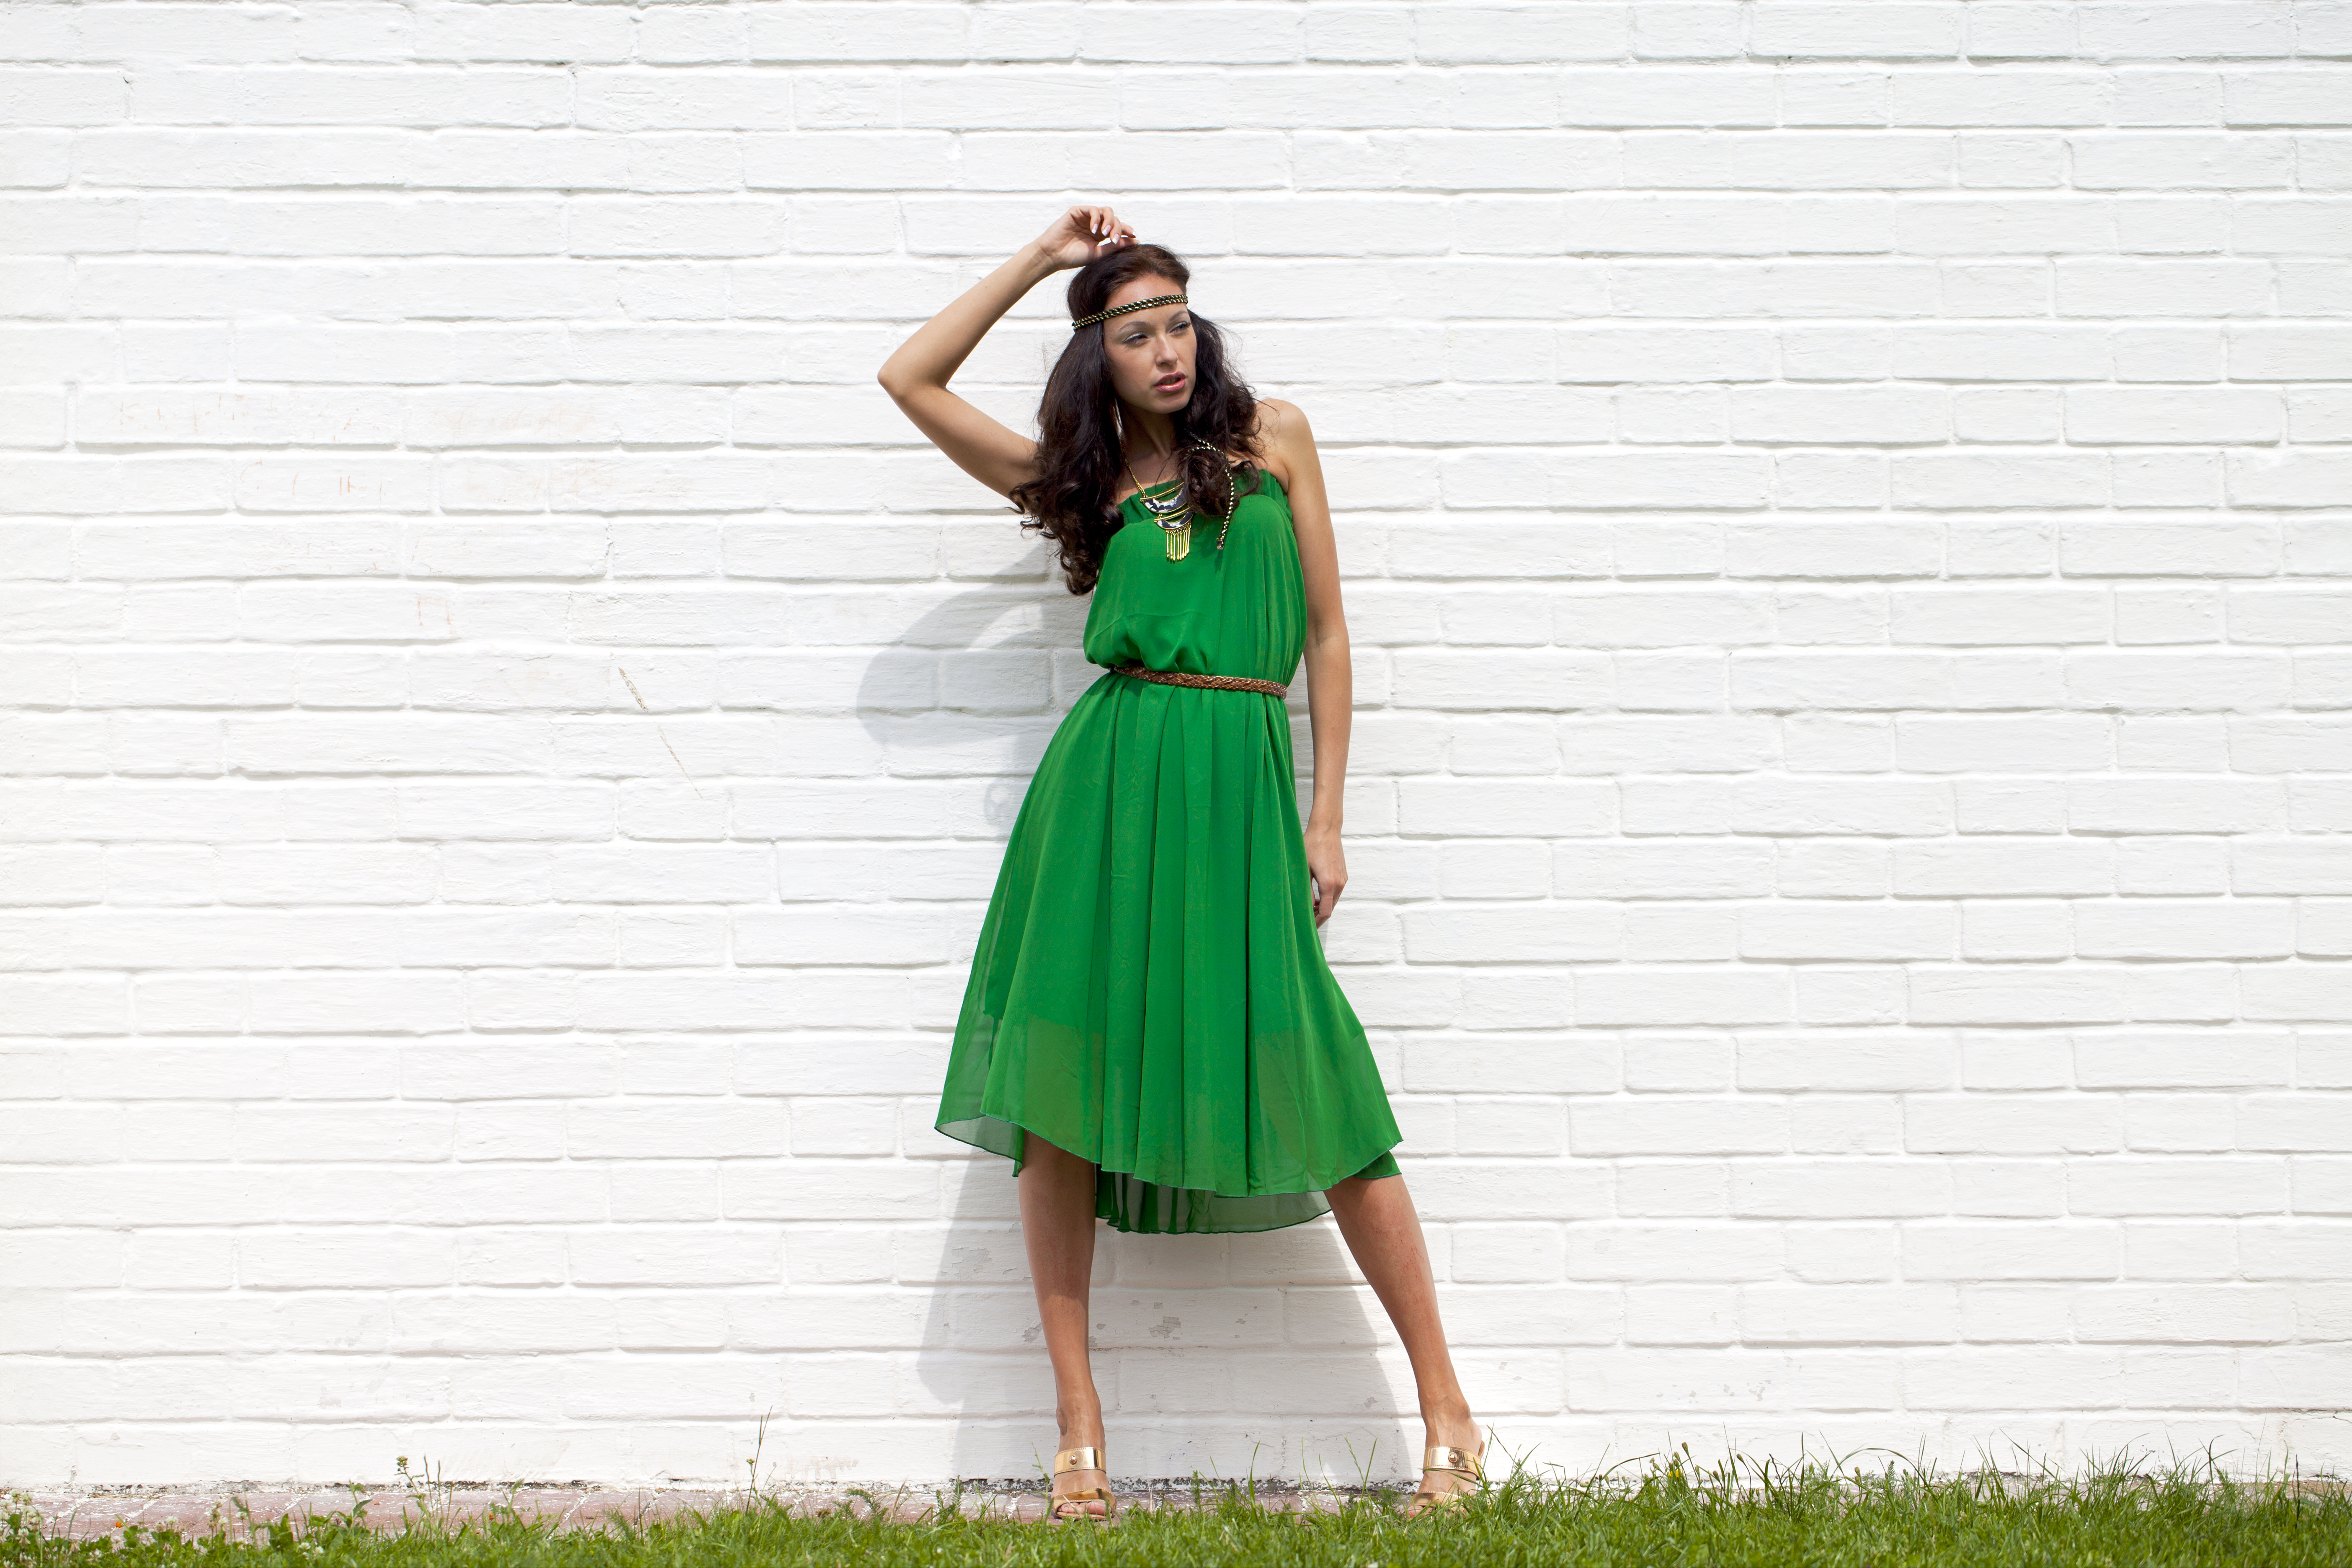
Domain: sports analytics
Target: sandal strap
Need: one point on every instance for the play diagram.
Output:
(1086, 1459)
(1461, 1462)
(1072, 1504)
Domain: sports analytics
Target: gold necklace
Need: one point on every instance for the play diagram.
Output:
(1174, 515)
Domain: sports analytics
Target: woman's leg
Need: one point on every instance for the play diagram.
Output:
(1057, 1223)
(1377, 1219)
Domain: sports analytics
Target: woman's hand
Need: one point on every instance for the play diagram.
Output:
(1327, 865)
(1080, 235)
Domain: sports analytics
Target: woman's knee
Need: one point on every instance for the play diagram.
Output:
(1036, 1151)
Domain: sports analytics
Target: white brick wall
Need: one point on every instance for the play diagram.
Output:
(1847, 510)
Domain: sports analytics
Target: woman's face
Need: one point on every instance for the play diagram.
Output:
(1150, 351)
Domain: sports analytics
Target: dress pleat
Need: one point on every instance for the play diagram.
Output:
(1149, 990)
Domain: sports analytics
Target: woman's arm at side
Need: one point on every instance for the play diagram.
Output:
(1331, 677)
(916, 375)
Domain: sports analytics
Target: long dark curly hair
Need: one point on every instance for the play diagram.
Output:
(1079, 461)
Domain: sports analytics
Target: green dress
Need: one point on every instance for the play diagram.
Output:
(1148, 991)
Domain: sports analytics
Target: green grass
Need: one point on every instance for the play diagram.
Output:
(1739, 1514)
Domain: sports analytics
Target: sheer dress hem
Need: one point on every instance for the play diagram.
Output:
(1130, 1201)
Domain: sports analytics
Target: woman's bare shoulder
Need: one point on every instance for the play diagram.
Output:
(1278, 426)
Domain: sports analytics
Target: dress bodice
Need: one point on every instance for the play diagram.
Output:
(1241, 610)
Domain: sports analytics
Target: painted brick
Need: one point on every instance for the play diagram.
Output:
(511, 735)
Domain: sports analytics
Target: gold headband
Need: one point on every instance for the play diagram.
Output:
(1123, 310)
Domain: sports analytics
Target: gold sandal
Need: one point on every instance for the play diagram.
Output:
(1081, 1459)
(1447, 1461)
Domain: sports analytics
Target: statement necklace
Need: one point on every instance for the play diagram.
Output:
(1175, 513)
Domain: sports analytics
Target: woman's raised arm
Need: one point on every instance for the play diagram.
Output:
(916, 377)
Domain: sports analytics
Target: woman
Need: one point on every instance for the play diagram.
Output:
(1149, 1031)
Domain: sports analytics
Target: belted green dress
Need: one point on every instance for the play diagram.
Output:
(1148, 991)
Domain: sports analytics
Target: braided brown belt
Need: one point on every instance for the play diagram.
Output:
(1214, 682)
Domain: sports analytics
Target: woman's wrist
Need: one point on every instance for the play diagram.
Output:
(1035, 261)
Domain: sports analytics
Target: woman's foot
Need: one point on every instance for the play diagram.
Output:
(1446, 1429)
(1084, 1433)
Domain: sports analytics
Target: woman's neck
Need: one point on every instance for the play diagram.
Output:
(1150, 434)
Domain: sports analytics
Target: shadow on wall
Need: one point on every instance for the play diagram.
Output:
(1228, 1355)
(975, 684)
